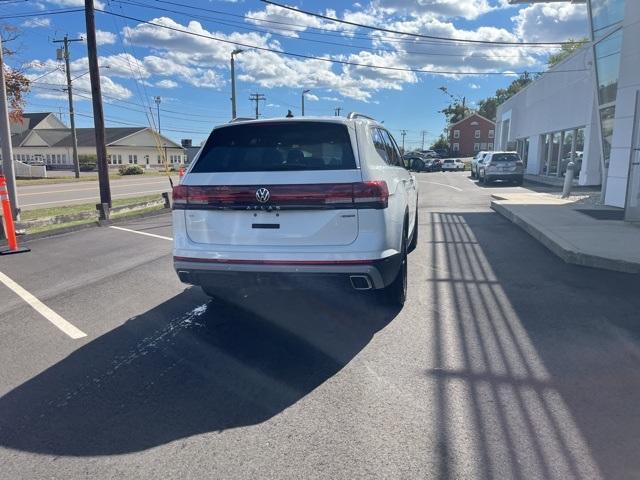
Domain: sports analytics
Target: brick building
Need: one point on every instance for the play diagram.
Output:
(471, 135)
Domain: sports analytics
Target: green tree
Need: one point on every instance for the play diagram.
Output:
(487, 107)
(455, 112)
(565, 51)
(441, 143)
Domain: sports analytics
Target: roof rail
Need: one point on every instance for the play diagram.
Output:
(354, 115)
(241, 119)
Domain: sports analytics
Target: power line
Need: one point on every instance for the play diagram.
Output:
(307, 28)
(328, 60)
(418, 35)
(324, 42)
(57, 11)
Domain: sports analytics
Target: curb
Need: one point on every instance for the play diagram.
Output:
(565, 250)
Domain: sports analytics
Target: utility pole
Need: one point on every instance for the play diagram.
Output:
(256, 97)
(337, 111)
(158, 101)
(98, 113)
(233, 82)
(72, 120)
(423, 134)
(403, 133)
(303, 94)
(5, 141)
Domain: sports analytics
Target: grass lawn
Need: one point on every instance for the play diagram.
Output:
(83, 207)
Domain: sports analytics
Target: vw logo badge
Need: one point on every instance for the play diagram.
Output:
(262, 195)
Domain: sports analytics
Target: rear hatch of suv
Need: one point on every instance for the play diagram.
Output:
(506, 163)
(276, 183)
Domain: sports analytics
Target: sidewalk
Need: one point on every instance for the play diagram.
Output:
(574, 236)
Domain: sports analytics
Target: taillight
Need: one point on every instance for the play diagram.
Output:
(374, 194)
(180, 194)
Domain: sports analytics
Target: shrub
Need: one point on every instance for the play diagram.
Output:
(87, 162)
(130, 170)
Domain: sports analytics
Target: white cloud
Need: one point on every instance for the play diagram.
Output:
(51, 86)
(102, 37)
(166, 83)
(468, 9)
(331, 99)
(549, 22)
(37, 22)
(75, 3)
(474, 86)
(290, 23)
(311, 97)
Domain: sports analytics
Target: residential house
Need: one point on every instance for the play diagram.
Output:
(43, 137)
(471, 135)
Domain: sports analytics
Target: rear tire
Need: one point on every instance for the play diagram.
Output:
(519, 182)
(395, 294)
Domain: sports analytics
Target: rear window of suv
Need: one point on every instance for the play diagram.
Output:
(285, 146)
(505, 157)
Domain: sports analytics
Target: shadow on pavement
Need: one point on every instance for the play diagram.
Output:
(189, 366)
(536, 362)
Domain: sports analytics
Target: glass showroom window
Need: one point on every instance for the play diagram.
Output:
(605, 14)
(522, 147)
(607, 54)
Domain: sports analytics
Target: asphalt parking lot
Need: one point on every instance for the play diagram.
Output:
(504, 363)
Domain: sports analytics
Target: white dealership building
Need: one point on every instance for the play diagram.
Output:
(586, 109)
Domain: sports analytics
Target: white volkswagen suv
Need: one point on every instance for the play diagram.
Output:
(267, 199)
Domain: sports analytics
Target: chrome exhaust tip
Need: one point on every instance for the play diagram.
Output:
(360, 282)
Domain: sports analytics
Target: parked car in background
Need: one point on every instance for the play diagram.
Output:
(452, 165)
(270, 199)
(474, 163)
(430, 153)
(415, 161)
(505, 166)
(435, 165)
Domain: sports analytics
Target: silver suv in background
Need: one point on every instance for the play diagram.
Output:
(505, 166)
(475, 163)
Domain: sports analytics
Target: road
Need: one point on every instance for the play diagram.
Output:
(58, 194)
(505, 363)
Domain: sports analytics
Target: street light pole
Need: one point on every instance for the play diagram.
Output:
(72, 117)
(158, 101)
(303, 94)
(233, 82)
(403, 133)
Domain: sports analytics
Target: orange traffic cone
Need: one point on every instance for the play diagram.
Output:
(7, 215)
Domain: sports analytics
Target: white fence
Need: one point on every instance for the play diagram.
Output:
(23, 170)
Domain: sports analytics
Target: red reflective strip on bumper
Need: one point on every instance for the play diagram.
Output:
(273, 262)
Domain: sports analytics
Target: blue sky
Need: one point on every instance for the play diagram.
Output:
(191, 73)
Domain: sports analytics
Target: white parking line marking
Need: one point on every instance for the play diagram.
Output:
(442, 184)
(143, 233)
(42, 309)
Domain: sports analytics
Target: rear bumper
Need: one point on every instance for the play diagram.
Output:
(504, 176)
(233, 273)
